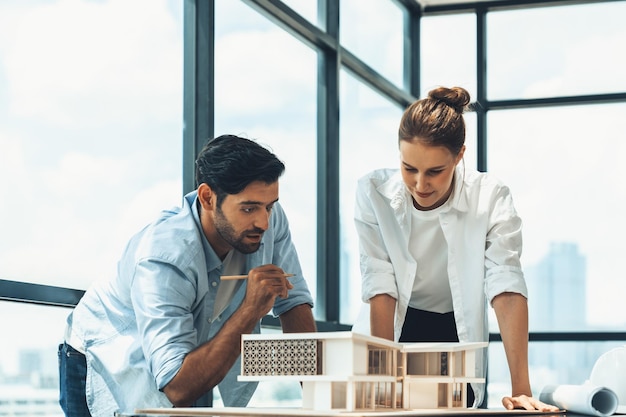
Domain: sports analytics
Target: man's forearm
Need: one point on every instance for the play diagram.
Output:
(206, 366)
(298, 320)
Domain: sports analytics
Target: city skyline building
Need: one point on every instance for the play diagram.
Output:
(557, 289)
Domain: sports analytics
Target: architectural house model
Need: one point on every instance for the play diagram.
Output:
(349, 371)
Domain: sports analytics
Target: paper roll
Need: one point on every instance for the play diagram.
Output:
(584, 399)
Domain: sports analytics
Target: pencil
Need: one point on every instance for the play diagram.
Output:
(230, 277)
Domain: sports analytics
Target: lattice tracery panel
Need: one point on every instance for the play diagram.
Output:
(279, 357)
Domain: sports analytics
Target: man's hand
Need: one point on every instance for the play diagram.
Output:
(265, 283)
(526, 403)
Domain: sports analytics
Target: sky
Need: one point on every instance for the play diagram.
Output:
(91, 130)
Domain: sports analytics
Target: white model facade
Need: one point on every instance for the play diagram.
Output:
(349, 371)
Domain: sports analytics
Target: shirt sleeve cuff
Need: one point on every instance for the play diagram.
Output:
(503, 279)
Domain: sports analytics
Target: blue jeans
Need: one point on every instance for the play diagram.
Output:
(72, 381)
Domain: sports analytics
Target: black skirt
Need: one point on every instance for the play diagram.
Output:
(426, 326)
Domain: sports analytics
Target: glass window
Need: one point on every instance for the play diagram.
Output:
(90, 151)
(29, 376)
(564, 167)
(83, 108)
(374, 34)
(305, 8)
(470, 157)
(369, 140)
(265, 90)
(448, 52)
(555, 51)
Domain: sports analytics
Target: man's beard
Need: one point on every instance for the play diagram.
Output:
(227, 232)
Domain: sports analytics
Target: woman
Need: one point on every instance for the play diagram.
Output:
(438, 241)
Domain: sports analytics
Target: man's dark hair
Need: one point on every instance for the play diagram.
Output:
(229, 163)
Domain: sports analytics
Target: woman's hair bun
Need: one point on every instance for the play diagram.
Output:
(456, 97)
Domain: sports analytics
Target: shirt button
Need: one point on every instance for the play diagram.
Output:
(214, 284)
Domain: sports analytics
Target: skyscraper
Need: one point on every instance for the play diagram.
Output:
(557, 289)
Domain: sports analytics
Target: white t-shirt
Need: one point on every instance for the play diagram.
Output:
(233, 264)
(431, 288)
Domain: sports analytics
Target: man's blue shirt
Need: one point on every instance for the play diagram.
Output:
(137, 328)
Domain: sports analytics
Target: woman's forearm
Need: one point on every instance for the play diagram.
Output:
(382, 311)
(512, 314)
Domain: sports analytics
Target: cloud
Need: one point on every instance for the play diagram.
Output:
(590, 66)
(81, 173)
(69, 62)
(12, 166)
(66, 246)
(261, 71)
(144, 208)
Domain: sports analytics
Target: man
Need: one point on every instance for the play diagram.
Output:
(167, 328)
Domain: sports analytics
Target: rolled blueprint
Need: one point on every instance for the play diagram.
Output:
(584, 399)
